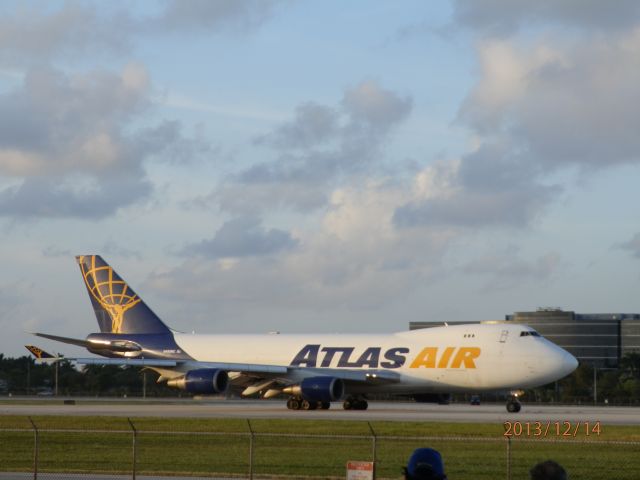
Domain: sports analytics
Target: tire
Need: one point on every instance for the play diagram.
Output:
(513, 407)
(347, 405)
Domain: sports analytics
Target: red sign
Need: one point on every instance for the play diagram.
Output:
(359, 470)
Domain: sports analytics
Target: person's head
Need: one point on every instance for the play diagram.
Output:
(548, 470)
(425, 464)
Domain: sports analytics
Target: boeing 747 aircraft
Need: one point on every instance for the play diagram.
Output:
(314, 370)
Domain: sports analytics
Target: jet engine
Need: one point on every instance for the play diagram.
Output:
(318, 389)
(204, 380)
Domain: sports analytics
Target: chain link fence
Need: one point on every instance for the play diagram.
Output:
(42, 452)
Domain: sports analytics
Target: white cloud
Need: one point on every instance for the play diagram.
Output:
(58, 131)
(34, 34)
(536, 111)
(562, 105)
(505, 75)
(318, 149)
(313, 124)
(208, 16)
(353, 259)
(243, 237)
(490, 187)
(506, 16)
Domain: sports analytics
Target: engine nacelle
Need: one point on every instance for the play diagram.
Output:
(322, 389)
(204, 380)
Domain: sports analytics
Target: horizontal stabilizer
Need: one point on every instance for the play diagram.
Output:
(112, 345)
(71, 341)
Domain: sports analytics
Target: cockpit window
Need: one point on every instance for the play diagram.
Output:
(529, 333)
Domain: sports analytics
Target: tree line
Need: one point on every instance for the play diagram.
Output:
(23, 376)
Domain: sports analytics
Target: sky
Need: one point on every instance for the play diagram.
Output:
(305, 166)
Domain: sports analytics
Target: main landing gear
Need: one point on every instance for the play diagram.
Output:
(355, 403)
(350, 403)
(513, 405)
(299, 403)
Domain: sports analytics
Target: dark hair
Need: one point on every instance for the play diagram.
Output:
(548, 470)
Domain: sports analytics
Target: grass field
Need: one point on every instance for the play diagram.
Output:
(295, 449)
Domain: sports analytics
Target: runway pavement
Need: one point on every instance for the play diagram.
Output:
(393, 411)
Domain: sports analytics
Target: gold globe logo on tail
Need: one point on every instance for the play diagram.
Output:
(113, 294)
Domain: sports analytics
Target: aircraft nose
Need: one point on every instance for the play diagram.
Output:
(564, 361)
(570, 362)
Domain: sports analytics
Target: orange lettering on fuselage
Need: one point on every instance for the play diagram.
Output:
(446, 356)
(466, 355)
(426, 358)
(464, 358)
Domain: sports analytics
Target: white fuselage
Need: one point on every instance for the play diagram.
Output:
(473, 357)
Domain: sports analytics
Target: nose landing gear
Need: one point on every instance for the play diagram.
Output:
(513, 405)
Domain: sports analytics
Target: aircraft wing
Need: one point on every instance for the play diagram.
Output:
(245, 367)
(369, 376)
(366, 376)
(134, 362)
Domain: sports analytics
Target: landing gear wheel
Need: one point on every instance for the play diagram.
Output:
(307, 405)
(293, 404)
(513, 406)
(324, 405)
(352, 403)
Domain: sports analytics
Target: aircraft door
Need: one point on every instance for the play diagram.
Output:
(502, 341)
(504, 335)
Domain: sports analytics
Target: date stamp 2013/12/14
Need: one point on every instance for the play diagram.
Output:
(548, 428)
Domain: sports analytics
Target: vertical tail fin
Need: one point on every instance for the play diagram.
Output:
(118, 308)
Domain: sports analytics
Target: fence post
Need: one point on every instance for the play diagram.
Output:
(250, 450)
(374, 446)
(36, 446)
(508, 458)
(134, 452)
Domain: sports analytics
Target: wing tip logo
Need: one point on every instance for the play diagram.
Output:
(37, 352)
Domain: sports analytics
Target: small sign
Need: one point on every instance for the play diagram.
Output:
(359, 470)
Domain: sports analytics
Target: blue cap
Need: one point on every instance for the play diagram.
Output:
(426, 463)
